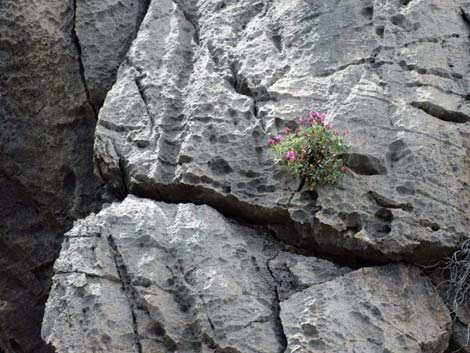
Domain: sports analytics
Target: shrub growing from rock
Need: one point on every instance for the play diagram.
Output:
(312, 152)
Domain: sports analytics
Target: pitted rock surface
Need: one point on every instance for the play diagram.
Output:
(105, 30)
(372, 310)
(193, 282)
(206, 83)
(146, 276)
(295, 273)
(46, 142)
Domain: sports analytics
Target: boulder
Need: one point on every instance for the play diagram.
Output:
(206, 84)
(371, 310)
(146, 276)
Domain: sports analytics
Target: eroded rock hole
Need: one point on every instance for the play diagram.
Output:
(384, 214)
(379, 30)
(368, 12)
(352, 220)
(428, 224)
(219, 166)
(441, 113)
(364, 164)
(397, 150)
(398, 20)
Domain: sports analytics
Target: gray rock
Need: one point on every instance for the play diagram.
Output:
(206, 84)
(105, 30)
(444, 278)
(46, 174)
(46, 139)
(382, 309)
(295, 273)
(460, 339)
(145, 276)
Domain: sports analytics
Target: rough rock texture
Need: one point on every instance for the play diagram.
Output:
(294, 273)
(460, 310)
(206, 82)
(193, 282)
(460, 340)
(105, 30)
(145, 276)
(46, 144)
(386, 309)
(198, 92)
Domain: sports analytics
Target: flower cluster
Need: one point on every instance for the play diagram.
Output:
(313, 151)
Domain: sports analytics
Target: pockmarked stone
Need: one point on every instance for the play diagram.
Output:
(205, 85)
(378, 309)
(145, 276)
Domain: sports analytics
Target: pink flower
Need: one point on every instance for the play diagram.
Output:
(321, 118)
(344, 169)
(278, 138)
(287, 130)
(271, 142)
(290, 155)
(301, 120)
(311, 117)
(329, 126)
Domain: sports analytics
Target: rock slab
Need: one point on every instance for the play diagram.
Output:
(371, 310)
(146, 276)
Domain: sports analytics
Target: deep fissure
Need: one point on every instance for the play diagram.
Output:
(127, 287)
(277, 307)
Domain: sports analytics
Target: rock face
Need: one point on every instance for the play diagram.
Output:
(206, 83)
(145, 276)
(221, 259)
(192, 281)
(386, 309)
(48, 123)
(105, 30)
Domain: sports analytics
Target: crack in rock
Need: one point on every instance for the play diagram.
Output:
(277, 307)
(127, 287)
(78, 47)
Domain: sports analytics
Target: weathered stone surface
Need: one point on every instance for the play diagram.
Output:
(295, 273)
(46, 139)
(145, 276)
(193, 282)
(448, 278)
(105, 30)
(460, 339)
(382, 309)
(46, 174)
(206, 83)
(201, 89)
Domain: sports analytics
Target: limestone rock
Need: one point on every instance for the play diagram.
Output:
(382, 309)
(46, 139)
(145, 276)
(206, 83)
(295, 273)
(105, 30)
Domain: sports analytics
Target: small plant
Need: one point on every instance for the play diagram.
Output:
(312, 152)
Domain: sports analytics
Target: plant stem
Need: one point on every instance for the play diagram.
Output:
(302, 183)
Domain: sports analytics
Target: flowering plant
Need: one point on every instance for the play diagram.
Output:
(312, 152)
